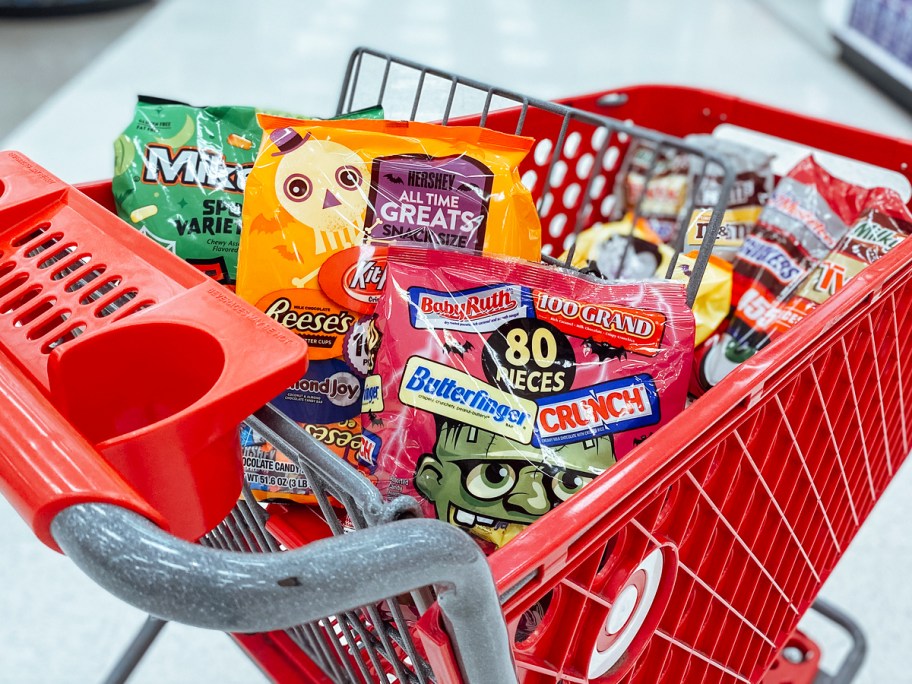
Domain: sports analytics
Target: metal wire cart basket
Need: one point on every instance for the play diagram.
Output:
(692, 559)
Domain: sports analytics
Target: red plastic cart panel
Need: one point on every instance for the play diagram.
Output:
(146, 359)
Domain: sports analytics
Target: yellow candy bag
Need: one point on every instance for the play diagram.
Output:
(600, 248)
(324, 199)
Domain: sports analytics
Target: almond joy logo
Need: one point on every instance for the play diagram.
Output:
(354, 278)
(328, 393)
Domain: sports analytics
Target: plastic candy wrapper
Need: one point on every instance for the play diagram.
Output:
(752, 186)
(275, 477)
(321, 204)
(675, 173)
(805, 220)
(179, 175)
(873, 234)
(666, 193)
(320, 187)
(179, 178)
(599, 250)
(500, 387)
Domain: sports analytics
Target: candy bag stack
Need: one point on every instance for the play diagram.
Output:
(322, 202)
(802, 233)
(179, 178)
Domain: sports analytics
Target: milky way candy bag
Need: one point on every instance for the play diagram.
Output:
(501, 387)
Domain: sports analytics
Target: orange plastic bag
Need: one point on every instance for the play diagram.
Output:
(319, 187)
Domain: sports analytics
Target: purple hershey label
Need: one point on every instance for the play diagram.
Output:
(429, 200)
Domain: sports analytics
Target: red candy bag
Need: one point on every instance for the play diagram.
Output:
(804, 221)
(502, 387)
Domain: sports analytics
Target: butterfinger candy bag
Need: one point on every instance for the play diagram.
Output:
(804, 220)
(598, 251)
(503, 387)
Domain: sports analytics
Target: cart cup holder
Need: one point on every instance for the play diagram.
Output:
(131, 391)
(124, 379)
(128, 350)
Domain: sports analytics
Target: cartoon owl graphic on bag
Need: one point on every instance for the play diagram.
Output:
(324, 186)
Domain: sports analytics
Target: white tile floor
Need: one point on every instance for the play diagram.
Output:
(58, 627)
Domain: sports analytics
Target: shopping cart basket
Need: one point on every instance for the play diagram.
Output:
(691, 559)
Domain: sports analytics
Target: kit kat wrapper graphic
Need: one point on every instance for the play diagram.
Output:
(501, 387)
(804, 224)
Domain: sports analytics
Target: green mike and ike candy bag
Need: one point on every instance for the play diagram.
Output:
(179, 178)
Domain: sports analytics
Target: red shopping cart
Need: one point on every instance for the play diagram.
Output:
(692, 559)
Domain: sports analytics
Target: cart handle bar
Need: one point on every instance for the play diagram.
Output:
(256, 592)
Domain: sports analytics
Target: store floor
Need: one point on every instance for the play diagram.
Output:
(57, 626)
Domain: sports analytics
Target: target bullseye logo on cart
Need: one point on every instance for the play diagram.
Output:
(629, 611)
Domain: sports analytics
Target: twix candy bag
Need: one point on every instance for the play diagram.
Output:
(875, 232)
(503, 387)
(322, 202)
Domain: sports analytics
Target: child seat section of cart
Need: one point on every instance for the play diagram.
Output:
(126, 348)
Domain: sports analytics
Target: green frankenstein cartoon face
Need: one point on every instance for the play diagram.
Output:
(494, 486)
